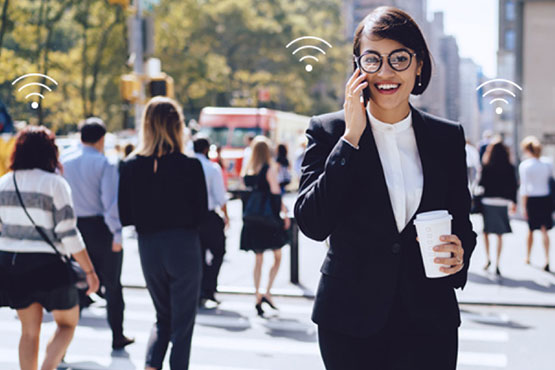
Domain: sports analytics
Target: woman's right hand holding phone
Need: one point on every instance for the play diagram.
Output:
(355, 116)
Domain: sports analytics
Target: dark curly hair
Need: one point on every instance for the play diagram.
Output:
(35, 148)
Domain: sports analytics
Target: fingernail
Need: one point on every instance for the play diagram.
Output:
(443, 238)
(436, 260)
(436, 248)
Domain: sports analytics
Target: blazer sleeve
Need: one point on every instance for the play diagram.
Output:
(459, 206)
(325, 182)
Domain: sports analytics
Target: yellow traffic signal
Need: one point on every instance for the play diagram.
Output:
(130, 87)
(160, 86)
(123, 3)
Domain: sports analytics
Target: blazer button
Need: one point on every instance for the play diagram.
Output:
(342, 161)
(396, 248)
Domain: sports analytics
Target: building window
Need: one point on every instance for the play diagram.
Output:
(510, 11)
(509, 40)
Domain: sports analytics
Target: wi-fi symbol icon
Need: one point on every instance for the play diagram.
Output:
(308, 67)
(34, 104)
(499, 93)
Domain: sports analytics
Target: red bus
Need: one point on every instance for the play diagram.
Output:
(229, 127)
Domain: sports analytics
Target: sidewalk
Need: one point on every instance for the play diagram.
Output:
(520, 284)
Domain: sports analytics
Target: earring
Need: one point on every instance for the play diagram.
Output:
(419, 80)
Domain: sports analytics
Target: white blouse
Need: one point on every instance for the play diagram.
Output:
(534, 177)
(402, 167)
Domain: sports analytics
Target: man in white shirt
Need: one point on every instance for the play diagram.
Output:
(212, 231)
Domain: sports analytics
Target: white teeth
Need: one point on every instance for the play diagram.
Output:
(387, 86)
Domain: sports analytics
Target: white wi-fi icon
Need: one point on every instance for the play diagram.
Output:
(308, 67)
(34, 104)
(498, 92)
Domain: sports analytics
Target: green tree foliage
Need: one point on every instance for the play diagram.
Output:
(219, 52)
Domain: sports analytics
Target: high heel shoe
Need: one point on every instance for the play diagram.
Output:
(487, 265)
(266, 300)
(546, 268)
(259, 310)
(497, 272)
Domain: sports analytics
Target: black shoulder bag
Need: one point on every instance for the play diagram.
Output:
(76, 275)
(261, 208)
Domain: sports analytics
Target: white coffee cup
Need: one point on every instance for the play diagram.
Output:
(429, 227)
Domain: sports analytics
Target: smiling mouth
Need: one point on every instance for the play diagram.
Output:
(388, 88)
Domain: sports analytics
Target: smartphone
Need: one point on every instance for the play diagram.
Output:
(366, 91)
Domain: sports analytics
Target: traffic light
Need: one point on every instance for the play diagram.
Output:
(160, 86)
(123, 3)
(130, 87)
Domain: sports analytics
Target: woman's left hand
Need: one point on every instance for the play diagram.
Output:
(454, 246)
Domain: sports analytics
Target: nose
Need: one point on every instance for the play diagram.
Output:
(386, 70)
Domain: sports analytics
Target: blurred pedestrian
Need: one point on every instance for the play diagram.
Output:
(32, 276)
(299, 156)
(162, 192)
(284, 167)
(222, 162)
(128, 149)
(212, 230)
(535, 174)
(248, 148)
(487, 135)
(261, 174)
(94, 184)
(499, 182)
(368, 170)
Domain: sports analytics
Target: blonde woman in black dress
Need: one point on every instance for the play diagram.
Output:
(261, 173)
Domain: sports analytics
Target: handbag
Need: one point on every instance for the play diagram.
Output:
(259, 209)
(76, 275)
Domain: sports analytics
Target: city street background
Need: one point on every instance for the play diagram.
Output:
(507, 322)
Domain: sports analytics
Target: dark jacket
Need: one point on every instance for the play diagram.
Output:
(173, 197)
(499, 182)
(343, 196)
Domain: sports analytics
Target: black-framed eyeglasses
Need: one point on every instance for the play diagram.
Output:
(371, 62)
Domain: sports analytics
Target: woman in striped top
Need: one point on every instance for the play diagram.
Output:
(32, 276)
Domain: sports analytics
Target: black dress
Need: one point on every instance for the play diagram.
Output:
(260, 238)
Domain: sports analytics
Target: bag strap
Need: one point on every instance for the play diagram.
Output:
(39, 229)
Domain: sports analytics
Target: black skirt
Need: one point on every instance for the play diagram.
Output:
(496, 219)
(42, 278)
(539, 211)
(261, 238)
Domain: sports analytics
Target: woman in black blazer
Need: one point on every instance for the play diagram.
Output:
(368, 170)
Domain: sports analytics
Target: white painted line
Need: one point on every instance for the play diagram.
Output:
(234, 343)
(95, 362)
(500, 336)
(131, 300)
(482, 359)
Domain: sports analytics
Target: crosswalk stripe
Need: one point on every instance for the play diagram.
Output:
(228, 305)
(94, 362)
(484, 335)
(482, 359)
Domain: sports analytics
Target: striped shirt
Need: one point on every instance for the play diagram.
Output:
(47, 197)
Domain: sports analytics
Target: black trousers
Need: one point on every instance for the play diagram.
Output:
(98, 240)
(212, 238)
(400, 345)
(172, 269)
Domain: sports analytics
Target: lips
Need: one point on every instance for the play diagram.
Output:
(387, 88)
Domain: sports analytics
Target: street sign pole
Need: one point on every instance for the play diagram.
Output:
(138, 63)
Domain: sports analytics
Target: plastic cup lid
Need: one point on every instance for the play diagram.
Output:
(433, 215)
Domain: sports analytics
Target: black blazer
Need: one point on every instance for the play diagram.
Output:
(343, 196)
